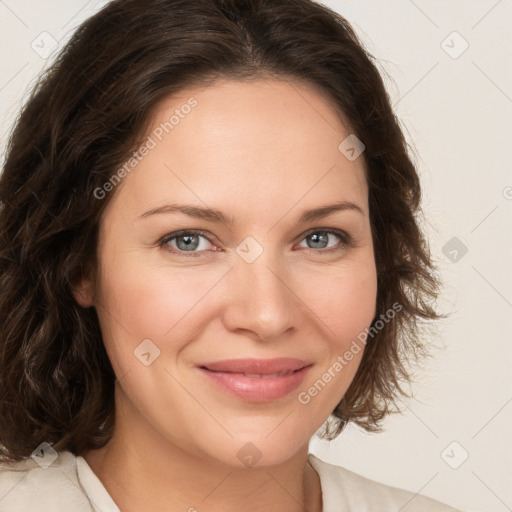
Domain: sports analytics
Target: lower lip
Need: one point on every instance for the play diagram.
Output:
(257, 389)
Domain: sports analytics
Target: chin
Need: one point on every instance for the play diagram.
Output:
(268, 447)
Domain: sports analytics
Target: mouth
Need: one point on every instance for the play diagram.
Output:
(257, 380)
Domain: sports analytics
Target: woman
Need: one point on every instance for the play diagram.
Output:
(209, 251)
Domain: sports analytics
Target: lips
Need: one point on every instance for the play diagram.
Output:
(257, 367)
(257, 380)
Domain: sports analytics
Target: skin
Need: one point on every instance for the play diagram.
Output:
(262, 153)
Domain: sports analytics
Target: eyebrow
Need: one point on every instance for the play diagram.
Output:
(221, 218)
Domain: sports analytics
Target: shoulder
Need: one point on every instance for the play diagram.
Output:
(344, 490)
(30, 485)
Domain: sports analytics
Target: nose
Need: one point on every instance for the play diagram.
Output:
(261, 299)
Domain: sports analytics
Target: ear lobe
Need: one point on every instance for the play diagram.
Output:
(83, 293)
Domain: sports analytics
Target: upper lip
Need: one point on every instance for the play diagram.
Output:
(256, 366)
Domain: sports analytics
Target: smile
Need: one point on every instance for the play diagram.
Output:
(257, 380)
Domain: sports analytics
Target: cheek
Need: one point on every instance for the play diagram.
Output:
(346, 305)
(345, 299)
(141, 300)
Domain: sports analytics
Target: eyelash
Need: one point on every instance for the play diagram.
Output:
(346, 241)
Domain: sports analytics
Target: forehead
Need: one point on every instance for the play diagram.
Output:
(264, 141)
(263, 111)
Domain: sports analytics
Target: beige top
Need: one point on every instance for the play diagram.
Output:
(69, 485)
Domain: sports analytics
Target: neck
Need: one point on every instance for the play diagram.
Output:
(156, 475)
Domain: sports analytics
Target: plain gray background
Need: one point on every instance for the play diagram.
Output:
(452, 89)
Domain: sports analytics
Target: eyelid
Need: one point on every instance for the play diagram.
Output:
(163, 242)
(346, 241)
(345, 238)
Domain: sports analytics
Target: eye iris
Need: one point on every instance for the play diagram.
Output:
(321, 238)
(191, 242)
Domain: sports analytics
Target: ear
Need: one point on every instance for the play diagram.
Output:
(84, 293)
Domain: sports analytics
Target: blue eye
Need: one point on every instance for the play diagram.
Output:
(191, 242)
(194, 243)
(320, 239)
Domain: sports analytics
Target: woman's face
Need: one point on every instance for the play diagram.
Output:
(254, 275)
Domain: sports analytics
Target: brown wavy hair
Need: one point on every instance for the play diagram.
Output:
(85, 116)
